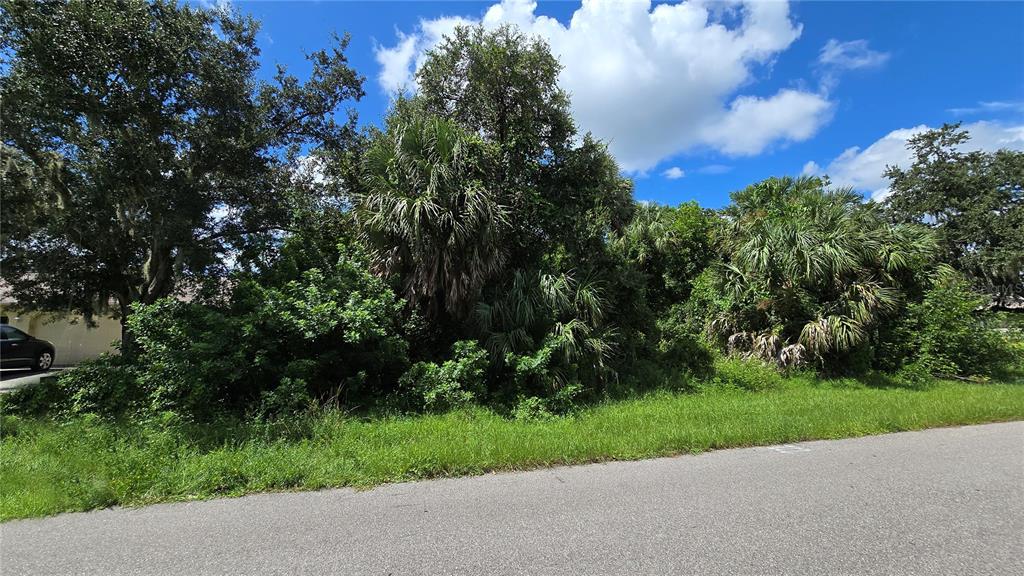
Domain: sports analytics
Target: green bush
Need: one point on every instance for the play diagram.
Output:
(189, 357)
(746, 374)
(707, 301)
(679, 348)
(340, 329)
(106, 386)
(37, 400)
(272, 347)
(455, 383)
(915, 375)
(949, 333)
(291, 396)
(562, 401)
(546, 332)
(531, 409)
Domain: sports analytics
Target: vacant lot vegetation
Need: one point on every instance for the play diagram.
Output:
(468, 286)
(85, 463)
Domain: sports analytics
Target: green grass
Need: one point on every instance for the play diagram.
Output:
(48, 467)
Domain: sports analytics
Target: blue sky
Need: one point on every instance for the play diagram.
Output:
(715, 94)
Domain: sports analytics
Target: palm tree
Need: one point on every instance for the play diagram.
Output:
(551, 326)
(810, 270)
(427, 216)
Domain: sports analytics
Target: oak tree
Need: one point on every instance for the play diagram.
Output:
(140, 149)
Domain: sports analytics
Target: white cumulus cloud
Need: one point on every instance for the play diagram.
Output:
(399, 62)
(653, 81)
(862, 168)
(811, 169)
(751, 123)
(674, 173)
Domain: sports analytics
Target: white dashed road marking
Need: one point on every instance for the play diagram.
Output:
(789, 449)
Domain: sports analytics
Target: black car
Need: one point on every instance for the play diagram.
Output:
(20, 350)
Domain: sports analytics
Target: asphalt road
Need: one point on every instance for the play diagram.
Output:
(15, 373)
(12, 379)
(947, 501)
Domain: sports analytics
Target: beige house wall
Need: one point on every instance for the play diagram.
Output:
(71, 336)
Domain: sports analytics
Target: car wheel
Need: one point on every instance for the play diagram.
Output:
(44, 361)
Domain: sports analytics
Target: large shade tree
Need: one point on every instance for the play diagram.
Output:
(975, 202)
(139, 147)
(561, 190)
(479, 195)
(505, 85)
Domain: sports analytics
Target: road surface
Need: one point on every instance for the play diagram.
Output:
(947, 501)
(12, 379)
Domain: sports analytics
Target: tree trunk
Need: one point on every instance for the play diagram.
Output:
(128, 346)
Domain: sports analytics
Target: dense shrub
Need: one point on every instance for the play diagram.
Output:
(949, 333)
(669, 247)
(680, 349)
(562, 401)
(291, 396)
(707, 302)
(531, 408)
(105, 386)
(328, 333)
(189, 356)
(649, 275)
(915, 375)
(331, 334)
(545, 333)
(343, 330)
(454, 383)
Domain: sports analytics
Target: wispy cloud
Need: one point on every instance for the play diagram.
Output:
(837, 57)
(851, 55)
(224, 5)
(989, 107)
(714, 169)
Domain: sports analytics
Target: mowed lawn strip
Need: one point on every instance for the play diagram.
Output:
(49, 468)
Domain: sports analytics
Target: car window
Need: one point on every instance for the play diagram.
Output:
(12, 333)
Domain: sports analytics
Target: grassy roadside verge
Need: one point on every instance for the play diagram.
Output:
(49, 468)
